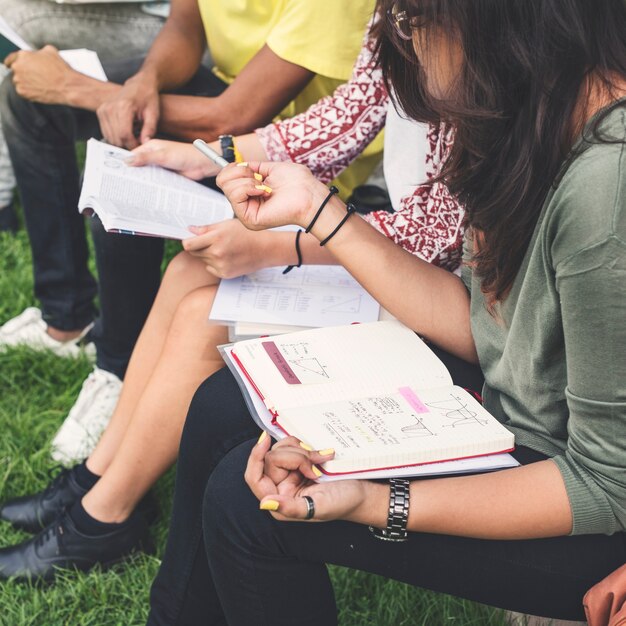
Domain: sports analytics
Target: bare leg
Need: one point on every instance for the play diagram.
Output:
(184, 274)
(151, 440)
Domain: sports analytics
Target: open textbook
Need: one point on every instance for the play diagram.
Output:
(82, 60)
(310, 296)
(373, 392)
(146, 200)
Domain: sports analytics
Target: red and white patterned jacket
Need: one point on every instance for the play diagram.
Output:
(333, 132)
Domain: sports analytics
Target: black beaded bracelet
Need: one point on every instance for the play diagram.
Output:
(333, 190)
(298, 252)
(351, 210)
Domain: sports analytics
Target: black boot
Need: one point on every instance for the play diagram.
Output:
(62, 546)
(33, 513)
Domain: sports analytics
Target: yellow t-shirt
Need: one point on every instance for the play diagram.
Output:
(324, 36)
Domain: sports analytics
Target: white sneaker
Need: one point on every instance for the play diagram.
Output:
(89, 416)
(29, 329)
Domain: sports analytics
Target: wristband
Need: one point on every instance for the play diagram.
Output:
(229, 150)
(298, 253)
(398, 515)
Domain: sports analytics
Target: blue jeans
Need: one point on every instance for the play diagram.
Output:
(41, 141)
(227, 562)
(114, 31)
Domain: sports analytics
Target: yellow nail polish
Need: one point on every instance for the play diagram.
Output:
(264, 188)
(327, 451)
(316, 471)
(243, 164)
(262, 437)
(258, 176)
(269, 505)
(306, 447)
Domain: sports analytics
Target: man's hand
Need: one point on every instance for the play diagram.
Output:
(136, 103)
(229, 249)
(41, 76)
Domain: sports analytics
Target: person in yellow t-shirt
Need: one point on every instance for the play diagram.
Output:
(272, 58)
(321, 36)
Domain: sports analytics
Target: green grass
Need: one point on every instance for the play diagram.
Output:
(36, 392)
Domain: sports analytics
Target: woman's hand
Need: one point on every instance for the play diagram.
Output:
(174, 155)
(280, 478)
(265, 195)
(40, 76)
(229, 249)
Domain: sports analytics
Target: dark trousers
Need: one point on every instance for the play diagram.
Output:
(227, 562)
(41, 141)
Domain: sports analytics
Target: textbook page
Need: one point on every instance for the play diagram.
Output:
(339, 363)
(146, 200)
(263, 418)
(309, 296)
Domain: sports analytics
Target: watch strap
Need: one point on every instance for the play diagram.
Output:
(398, 514)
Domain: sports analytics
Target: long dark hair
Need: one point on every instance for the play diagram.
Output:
(525, 65)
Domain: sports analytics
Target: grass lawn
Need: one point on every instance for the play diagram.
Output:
(36, 392)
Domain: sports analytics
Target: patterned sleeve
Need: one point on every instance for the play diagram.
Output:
(332, 133)
(429, 222)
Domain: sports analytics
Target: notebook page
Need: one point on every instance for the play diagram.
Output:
(150, 200)
(328, 364)
(398, 429)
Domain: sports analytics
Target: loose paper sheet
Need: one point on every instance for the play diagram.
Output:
(85, 61)
(310, 296)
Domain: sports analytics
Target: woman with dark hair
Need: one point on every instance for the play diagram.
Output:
(535, 92)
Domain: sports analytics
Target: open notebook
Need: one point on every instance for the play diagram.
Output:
(373, 392)
(146, 200)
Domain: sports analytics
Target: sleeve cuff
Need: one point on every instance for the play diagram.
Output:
(272, 143)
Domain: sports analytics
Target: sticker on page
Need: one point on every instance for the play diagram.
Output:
(298, 363)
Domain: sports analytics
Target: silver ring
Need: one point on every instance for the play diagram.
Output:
(310, 507)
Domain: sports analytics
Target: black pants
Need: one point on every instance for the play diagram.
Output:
(227, 562)
(41, 141)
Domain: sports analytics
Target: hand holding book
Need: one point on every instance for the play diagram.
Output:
(281, 478)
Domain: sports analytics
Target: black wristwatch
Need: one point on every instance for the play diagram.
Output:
(398, 515)
(227, 144)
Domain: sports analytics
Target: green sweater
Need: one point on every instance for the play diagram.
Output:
(555, 360)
